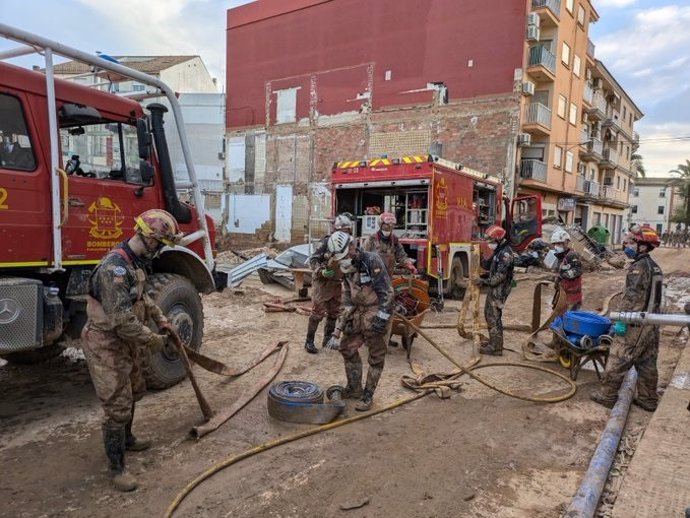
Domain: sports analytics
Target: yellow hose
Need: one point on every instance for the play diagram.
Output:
(278, 442)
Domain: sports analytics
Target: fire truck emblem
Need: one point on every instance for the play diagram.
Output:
(106, 219)
(442, 195)
(9, 311)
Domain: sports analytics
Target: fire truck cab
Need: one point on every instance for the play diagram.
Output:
(441, 208)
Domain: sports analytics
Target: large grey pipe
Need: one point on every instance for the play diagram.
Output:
(584, 505)
(651, 319)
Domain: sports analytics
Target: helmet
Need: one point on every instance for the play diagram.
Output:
(559, 236)
(495, 233)
(339, 244)
(342, 221)
(648, 236)
(159, 225)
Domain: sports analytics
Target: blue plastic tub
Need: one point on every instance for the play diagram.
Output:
(585, 323)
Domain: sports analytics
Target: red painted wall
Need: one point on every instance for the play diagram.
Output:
(335, 49)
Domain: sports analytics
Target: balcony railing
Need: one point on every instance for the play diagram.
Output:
(553, 5)
(599, 102)
(610, 155)
(537, 113)
(595, 146)
(590, 48)
(588, 94)
(580, 183)
(584, 136)
(608, 192)
(592, 188)
(533, 170)
(540, 55)
(613, 118)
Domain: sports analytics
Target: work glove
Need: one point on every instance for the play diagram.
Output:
(328, 273)
(333, 343)
(166, 327)
(411, 267)
(380, 323)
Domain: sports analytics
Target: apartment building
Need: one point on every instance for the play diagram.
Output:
(578, 135)
(652, 202)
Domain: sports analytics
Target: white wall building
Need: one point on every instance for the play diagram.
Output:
(650, 203)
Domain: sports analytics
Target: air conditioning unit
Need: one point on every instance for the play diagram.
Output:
(533, 19)
(528, 88)
(524, 139)
(532, 33)
(597, 83)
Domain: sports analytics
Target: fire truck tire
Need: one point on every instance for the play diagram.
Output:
(35, 356)
(180, 302)
(457, 290)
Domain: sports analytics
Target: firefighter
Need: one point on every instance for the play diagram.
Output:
(385, 243)
(499, 281)
(115, 334)
(326, 287)
(569, 269)
(640, 347)
(366, 316)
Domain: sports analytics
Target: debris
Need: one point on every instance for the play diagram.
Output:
(468, 495)
(355, 504)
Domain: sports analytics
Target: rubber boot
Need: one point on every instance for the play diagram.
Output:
(645, 405)
(328, 329)
(598, 397)
(131, 442)
(488, 349)
(373, 377)
(311, 333)
(353, 371)
(114, 442)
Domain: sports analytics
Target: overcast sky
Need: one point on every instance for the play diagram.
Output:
(644, 43)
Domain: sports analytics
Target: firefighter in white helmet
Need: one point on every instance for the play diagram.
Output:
(569, 269)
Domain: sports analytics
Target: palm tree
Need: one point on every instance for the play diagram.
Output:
(683, 184)
(637, 165)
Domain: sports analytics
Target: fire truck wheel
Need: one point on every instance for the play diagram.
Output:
(180, 302)
(35, 356)
(457, 279)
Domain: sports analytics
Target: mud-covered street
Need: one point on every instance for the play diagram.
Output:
(476, 454)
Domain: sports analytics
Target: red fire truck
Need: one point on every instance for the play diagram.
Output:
(77, 164)
(441, 209)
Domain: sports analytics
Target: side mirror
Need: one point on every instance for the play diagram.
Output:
(144, 139)
(147, 171)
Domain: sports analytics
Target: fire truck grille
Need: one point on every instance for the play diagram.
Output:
(20, 314)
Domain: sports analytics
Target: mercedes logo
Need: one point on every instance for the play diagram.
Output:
(9, 311)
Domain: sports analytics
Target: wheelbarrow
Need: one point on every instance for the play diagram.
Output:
(416, 293)
(582, 337)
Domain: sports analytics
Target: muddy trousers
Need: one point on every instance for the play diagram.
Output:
(639, 349)
(493, 313)
(349, 349)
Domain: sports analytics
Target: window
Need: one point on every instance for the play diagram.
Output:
(573, 114)
(662, 192)
(660, 209)
(618, 182)
(138, 88)
(565, 54)
(286, 110)
(624, 112)
(108, 150)
(659, 228)
(16, 151)
(557, 156)
(625, 185)
(636, 192)
(570, 5)
(634, 209)
(569, 162)
(577, 65)
(562, 101)
(581, 15)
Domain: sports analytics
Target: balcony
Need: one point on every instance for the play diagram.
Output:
(612, 120)
(613, 196)
(597, 110)
(533, 170)
(538, 119)
(542, 63)
(592, 188)
(593, 150)
(580, 183)
(590, 49)
(549, 11)
(588, 94)
(609, 159)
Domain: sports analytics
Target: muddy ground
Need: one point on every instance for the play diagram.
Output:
(476, 454)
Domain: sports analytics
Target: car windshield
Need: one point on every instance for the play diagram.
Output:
(292, 259)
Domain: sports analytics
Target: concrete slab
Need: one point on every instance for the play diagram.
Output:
(657, 482)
